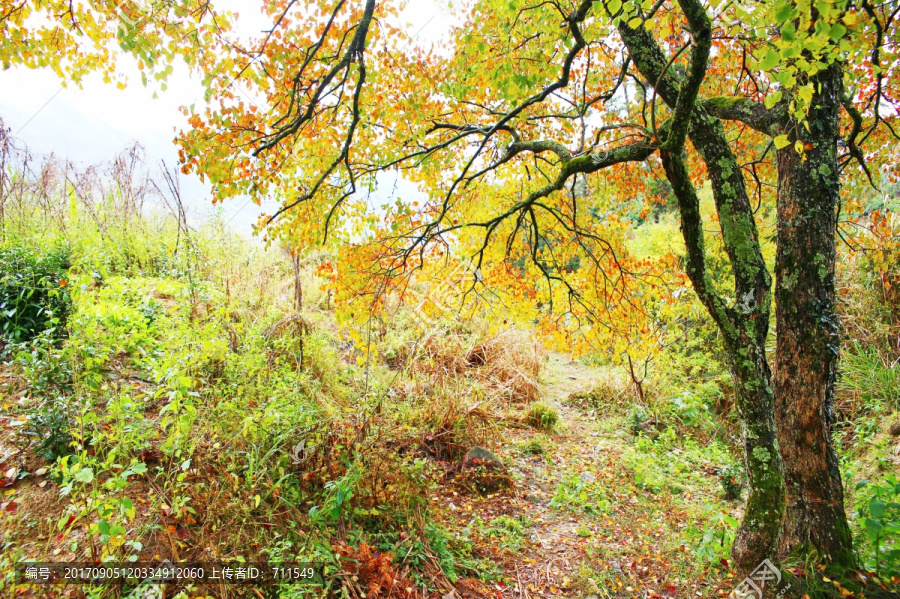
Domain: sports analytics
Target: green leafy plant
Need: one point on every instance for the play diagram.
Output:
(579, 493)
(33, 294)
(732, 478)
(98, 501)
(534, 446)
(718, 537)
(878, 508)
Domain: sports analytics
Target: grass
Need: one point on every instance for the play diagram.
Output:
(188, 409)
(542, 415)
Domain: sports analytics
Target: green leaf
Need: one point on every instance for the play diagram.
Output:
(614, 6)
(635, 22)
(837, 31)
(773, 99)
(806, 93)
(876, 508)
(874, 527)
(789, 32)
(769, 61)
(781, 141)
(84, 475)
(783, 12)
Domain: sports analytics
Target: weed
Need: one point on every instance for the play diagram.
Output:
(534, 446)
(879, 518)
(579, 493)
(718, 537)
(33, 293)
(732, 478)
(542, 415)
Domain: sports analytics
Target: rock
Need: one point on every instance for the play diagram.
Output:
(650, 430)
(587, 477)
(479, 456)
(895, 429)
(484, 471)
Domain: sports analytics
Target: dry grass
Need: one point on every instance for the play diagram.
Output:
(512, 363)
(507, 364)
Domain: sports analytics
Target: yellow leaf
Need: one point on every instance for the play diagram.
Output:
(635, 22)
(781, 141)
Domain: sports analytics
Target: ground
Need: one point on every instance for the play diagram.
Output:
(576, 524)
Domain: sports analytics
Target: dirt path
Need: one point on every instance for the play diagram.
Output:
(558, 536)
(541, 542)
(592, 515)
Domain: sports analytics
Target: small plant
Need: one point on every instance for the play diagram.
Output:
(879, 518)
(33, 294)
(542, 415)
(718, 537)
(732, 478)
(636, 419)
(534, 446)
(50, 425)
(509, 532)
(579, 493)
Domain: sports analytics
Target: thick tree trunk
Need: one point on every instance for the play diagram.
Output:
(807, 326)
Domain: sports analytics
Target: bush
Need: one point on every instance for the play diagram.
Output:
(33, 295)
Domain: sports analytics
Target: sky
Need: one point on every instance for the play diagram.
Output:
(92, 124)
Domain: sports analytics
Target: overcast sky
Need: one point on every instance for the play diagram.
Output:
(92, 124)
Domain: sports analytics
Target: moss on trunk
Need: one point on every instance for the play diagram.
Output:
(808, 339)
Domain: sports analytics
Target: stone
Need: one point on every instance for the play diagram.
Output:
(485, 471)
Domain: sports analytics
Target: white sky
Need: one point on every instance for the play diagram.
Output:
(91, 125)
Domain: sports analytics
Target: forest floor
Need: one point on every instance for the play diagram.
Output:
(579, 522)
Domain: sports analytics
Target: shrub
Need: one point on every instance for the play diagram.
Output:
(33, 294)
(542, 415)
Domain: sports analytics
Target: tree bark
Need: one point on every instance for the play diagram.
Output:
(807, 326)
(744, 330)
(744, 326)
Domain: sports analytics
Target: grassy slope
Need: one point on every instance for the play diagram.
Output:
(187, 381)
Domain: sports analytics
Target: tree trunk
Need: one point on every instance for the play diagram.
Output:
(744, 329)
(807, 326)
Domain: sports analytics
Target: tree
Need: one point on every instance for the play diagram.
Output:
(534, 97)
(544, 120)
(75, 39)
